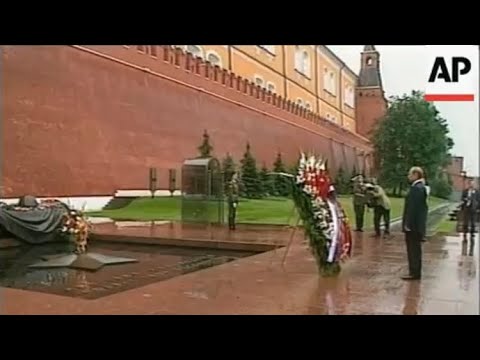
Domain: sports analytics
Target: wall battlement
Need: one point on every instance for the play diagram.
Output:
(198, 72)
(91, 120)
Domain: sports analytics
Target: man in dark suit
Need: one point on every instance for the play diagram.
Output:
(470, 207)
(415, 222)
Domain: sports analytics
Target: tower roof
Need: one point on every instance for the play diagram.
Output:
(370, 70)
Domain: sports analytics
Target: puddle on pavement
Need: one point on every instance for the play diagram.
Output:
(155, 263)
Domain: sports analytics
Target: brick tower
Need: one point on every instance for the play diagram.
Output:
(370, 101)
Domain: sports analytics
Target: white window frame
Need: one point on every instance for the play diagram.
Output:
(268, 48)
(326, 80)
(202, 52)
(257, 79)
(308, 106)
(349, 97)
(299, 102)
(302, 61)
(333, 85)
(271, 85)
(214, 53)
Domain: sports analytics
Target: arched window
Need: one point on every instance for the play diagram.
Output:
(349, 97)
(326, 80)
(214, 58)
(333, 86)
(369, 61)
(258, 80)
(302, 61)
(299, 102)
(271, 87)
(195, 50)
(308, 106)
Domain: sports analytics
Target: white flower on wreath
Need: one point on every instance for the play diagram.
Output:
(300, 179)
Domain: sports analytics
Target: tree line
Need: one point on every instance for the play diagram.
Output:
(256, 181)
(412, 133)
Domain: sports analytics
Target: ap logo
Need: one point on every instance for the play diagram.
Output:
(452, 72)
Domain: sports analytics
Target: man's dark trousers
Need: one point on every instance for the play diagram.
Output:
(469, 219)
(414, 252)
(380, 212)
(359, 215)
(232, 214)
(415, 226)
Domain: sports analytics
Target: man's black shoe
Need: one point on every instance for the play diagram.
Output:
(411, 278)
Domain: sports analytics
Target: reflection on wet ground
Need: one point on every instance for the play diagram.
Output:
(371, 282)
(156, 263)
(263, 284)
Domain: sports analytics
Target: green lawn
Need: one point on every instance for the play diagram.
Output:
(446, 226)
(265, 211)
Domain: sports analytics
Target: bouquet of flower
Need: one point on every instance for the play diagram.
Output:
(76, 225)
(324, 220)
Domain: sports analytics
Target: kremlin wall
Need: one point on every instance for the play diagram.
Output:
(91, 120)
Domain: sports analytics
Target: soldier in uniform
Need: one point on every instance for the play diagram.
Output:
(359, 201)
(232, 198)
(381, 207)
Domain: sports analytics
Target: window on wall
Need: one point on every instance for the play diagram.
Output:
(329, 81)
(349, 97)
(258, 80)
(271, 87)
(333, 85)
(195, 50)
(308, 106)
(326, 80)
(302, 61)
(269, 48)
(328, 116)
(153, 50)
(299, 102)
(214, 58)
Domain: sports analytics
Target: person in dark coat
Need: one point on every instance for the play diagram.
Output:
(470, 208)
(414, 222)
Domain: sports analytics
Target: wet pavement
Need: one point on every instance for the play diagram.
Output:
(155, 263)
(251, 237)
(262, 284)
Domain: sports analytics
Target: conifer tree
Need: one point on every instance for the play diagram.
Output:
(250, 179)
(228, 168)
(266, 181)
(205, 149)
(340, 182)
(281, 184)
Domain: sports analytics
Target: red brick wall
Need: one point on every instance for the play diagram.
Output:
(75, 123)
(454, 171)
(371, 106)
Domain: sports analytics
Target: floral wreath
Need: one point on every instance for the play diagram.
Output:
(324, 220)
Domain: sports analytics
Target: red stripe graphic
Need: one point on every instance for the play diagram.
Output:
(449, 97)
